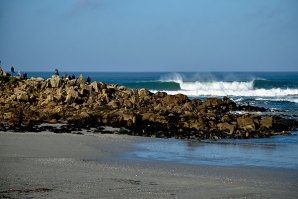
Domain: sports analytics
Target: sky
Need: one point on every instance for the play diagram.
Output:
(149, 35)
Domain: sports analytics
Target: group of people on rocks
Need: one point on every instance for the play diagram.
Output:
(23, 76)
(68, 77)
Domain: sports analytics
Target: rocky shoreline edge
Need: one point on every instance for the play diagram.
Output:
(77, 105)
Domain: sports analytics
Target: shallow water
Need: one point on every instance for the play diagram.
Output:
(275, 152)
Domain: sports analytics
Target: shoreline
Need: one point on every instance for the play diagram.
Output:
(65, 166)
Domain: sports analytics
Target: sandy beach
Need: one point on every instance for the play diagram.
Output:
(48, 165)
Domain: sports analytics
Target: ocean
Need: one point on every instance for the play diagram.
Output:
(277, 91)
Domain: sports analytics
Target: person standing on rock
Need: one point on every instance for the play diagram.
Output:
(24, 76)
(56, 72)
(81, 77)
(88, 80)
(12, 70)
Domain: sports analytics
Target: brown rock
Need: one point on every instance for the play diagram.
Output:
(246, 122)
(266, 122)
(23, 96)
(2, 73)
(114, 104)
(84, 115)
(175, 99)
(188, 106)
(226, 118)
(226, 126)
(72, 95)
(212, 102)
(55, 81)
(199, 124)
(95, 86)
(143, 92)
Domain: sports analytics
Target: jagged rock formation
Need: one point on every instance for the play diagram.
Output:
(25, 103)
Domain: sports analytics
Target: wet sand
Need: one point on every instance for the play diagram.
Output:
(47, 165)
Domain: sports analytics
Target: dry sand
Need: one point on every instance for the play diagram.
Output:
(47, 165)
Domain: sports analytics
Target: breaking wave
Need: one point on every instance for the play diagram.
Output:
(254, 88)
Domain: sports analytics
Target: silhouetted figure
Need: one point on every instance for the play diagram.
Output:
(12, 70)
(56, 72)
(69, 77)
(88, 80)
(25, 76)
(73, 76)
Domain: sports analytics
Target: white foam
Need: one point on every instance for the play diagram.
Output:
(236, 92)
(238, 100)
(222, 88)
(293, 100)
(217, 86)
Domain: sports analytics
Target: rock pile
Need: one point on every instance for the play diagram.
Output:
(27, 103)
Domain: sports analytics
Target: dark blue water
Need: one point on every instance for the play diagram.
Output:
(276, 91)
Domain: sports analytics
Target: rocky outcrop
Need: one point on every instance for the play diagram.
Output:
(55, 81)
(2, 73)
(26, 103)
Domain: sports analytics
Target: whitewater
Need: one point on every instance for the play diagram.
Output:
(225, 88)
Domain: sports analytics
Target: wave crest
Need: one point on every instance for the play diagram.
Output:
(244, 93)
(223, 88)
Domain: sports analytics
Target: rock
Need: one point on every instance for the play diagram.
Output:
(102, 85)
(143, 92)
(226, 118)
(50, 98)
(148, 116)
(84, 92)
(2, 73)
(266, 122)
(199, 124)
(72, 95)
(55, 81)
(246, 122)
(23, 96)
(161, 94)
(226, 126)
(131, 118)
(122, 88)
(60, 94)
(175, 99)
(188, 106)
(37, 79)
(114, 104)
(95, 86)
(212, 102)
(84, 115)
(142, 112)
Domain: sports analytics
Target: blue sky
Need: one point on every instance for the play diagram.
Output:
(149, 35)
